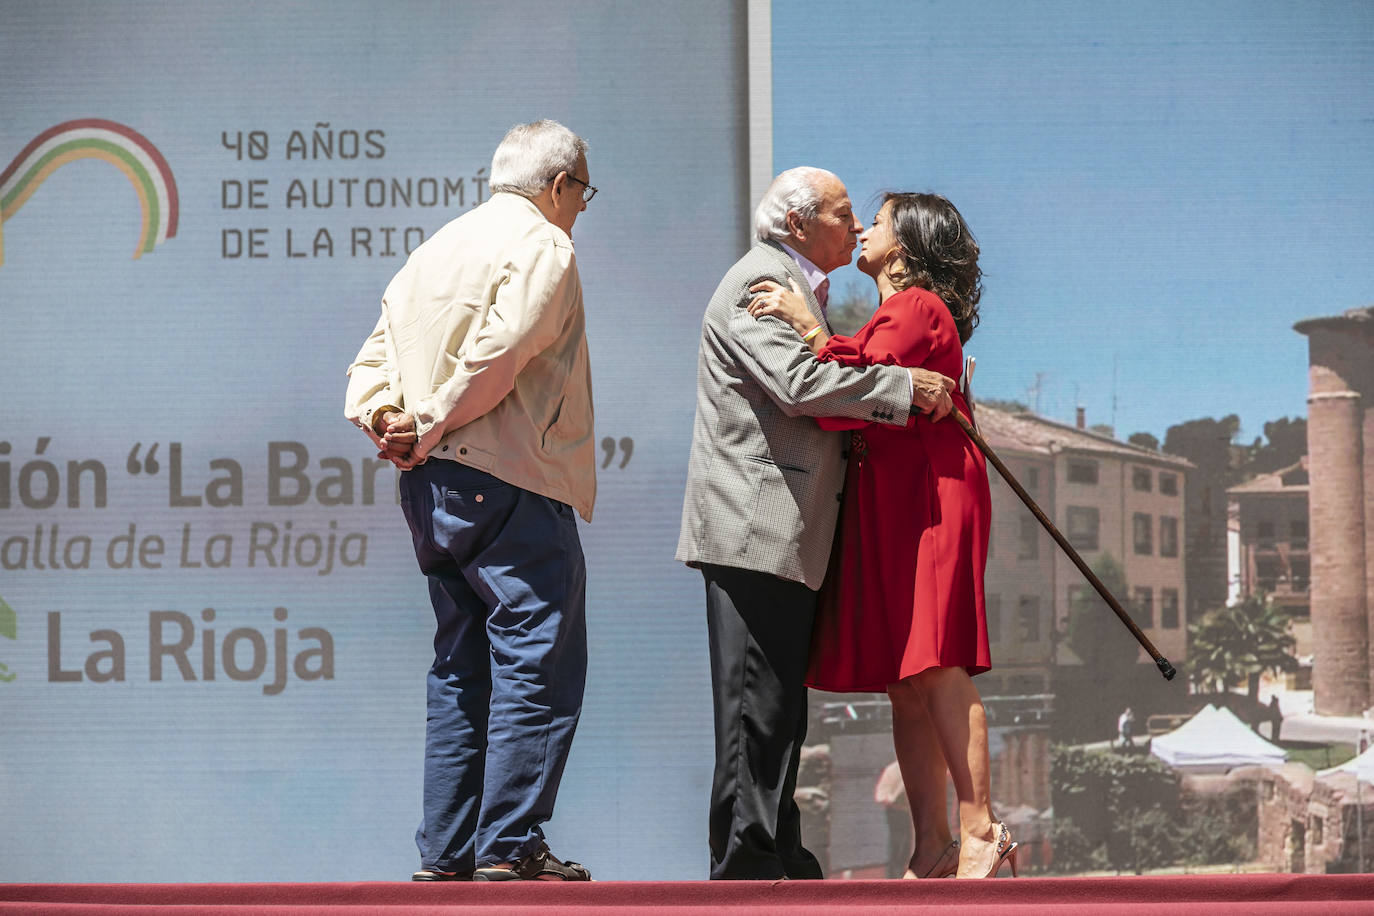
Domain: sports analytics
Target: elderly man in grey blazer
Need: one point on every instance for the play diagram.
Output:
(763, 493)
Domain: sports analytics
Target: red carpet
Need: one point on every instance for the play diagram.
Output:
(1175, 896)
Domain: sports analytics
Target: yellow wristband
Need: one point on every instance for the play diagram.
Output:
(811, 333)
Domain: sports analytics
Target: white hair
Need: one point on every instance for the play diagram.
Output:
(795, 189)
(531, 155)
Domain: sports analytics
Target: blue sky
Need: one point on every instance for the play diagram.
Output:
(1160, 191)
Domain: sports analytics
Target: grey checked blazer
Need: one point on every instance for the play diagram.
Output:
(764, 481)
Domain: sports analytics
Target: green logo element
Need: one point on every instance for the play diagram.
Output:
(9, 629)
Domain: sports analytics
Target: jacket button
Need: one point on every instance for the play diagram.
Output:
(463, 450)
(839, 497)
(445, 448)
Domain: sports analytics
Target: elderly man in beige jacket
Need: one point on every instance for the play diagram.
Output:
(476, 383)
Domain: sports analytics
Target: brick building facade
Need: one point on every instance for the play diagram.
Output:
(1310, 824)
(1340, 450)
(1272, 550)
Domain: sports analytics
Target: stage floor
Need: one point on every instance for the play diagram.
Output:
(1173, 895)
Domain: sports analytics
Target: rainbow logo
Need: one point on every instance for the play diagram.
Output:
(92, 138)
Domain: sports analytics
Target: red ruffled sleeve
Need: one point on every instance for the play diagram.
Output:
(842, 349)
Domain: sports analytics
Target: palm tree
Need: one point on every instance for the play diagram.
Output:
(1234, 645)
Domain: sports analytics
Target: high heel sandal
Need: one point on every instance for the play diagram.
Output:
(1006, 852)
(944, 867)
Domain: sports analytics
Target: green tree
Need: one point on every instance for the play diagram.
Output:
(1120, 810)
(1144, 838)
(1095, 692)
(1231, 646)
(1144, 440)
(1286, 442)
(1219, 828)
(1095, 634)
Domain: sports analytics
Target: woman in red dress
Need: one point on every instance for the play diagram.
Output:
(902, 607)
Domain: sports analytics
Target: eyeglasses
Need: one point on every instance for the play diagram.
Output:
(588, 192)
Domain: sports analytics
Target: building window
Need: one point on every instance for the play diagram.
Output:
(1168, 484)
(1083, 526)
(1168, 536)
(992, 607)
(1143, 606)
(1028, 618)
(1297, 534)
(1300, 573)
(1143, 527)
(1317, 829)
(1264, 533)
(1028, 546)
(1032, 478)
(1081, 470)
(1142, 479)
(1266, 572)
(1168, 608)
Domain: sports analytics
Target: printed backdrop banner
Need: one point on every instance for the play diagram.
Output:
(213, 635)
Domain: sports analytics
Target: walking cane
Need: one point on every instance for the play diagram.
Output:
(1165, 668)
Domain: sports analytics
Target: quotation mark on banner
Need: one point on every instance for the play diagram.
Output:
(149, 463)
(608, 445)
(10, 630)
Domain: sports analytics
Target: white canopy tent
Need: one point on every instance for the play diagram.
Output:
(1362, 765)
(1214, 741)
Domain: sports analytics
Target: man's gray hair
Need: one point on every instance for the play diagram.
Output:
(531, 155)
(794, 189)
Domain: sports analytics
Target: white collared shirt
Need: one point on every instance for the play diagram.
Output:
(813, 274)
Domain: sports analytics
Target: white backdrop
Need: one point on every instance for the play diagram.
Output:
(212, 631)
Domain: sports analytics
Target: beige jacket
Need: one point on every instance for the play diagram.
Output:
(482, 339)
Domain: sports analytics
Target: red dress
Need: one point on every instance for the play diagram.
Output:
(905, 588)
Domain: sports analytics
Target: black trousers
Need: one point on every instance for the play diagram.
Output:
(760, 632)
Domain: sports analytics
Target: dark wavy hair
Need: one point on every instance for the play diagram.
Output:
(940, 254)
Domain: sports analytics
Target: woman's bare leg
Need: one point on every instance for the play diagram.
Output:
(960, 725)
(923, 774)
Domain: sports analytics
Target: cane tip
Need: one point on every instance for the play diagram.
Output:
(1165, 668)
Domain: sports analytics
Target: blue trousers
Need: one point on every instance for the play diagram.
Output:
(508, 582)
